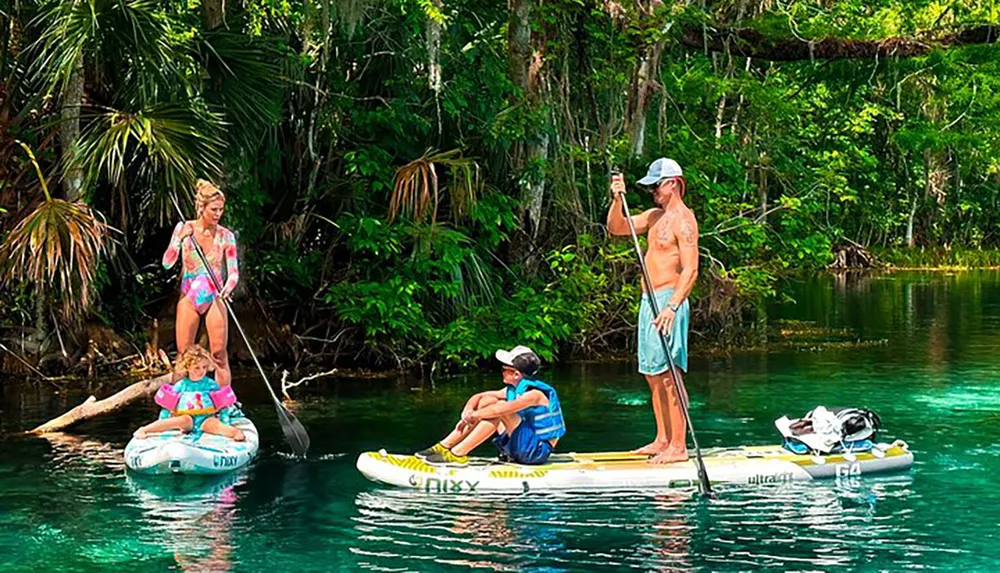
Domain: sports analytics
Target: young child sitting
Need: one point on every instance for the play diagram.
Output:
(195, 403)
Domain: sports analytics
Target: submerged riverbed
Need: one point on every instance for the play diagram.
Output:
(926, 363)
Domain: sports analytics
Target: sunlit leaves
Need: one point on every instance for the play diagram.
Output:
(167, 146)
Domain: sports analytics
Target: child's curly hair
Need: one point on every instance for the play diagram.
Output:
(193, 355)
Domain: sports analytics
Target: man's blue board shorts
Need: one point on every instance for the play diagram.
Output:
(652, 358)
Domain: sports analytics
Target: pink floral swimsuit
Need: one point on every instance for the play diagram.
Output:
(196, 284)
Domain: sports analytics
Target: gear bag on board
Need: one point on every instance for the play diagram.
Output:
(830, 430)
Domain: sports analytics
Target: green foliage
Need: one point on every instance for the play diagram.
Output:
(316, 119)
(167, 146)
(940, 258)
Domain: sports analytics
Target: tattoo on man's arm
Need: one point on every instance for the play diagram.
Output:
(688, 235)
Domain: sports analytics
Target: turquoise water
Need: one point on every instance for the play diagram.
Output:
(926, 364)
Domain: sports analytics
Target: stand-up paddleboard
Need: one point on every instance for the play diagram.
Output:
(174, 452)
(745, 465)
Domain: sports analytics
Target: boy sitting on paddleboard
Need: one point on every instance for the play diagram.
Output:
(525, 415)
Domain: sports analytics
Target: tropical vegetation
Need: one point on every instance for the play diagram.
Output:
(415, 182)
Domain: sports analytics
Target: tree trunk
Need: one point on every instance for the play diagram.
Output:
(909, 223)
(762, 186)
(314, 155)
(720, 110)
(434, 61)
(434, 51)
(525, 68)
(6, 22)
(92, 407)
(69, 131)
(938, 175)
(519, 42)
(537, 153)
(213, 13)
(644, 83)
(936, 169)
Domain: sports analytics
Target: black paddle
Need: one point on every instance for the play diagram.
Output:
(704, 485)
(295, 434)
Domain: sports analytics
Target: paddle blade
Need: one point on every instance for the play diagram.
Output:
(705, 486)
(295, 434)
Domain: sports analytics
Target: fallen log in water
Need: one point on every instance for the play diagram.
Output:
(92, 407)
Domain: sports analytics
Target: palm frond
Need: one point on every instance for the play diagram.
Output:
(417, 185)
(108, 33)
(245, 79)
(56, 249)
(456, 256)
(165, 146)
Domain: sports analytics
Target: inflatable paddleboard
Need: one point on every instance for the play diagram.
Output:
(174, 452)
(745, 465)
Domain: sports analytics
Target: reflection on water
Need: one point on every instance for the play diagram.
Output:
(194, 515)
(827, 524)
(66, 501)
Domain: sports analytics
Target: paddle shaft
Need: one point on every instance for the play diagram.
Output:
(705, 485)
(229, 309)
(284, 416)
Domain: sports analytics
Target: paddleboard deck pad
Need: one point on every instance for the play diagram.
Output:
(175, 452)
(745, 465)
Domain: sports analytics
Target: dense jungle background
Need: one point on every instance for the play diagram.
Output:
(415, 183)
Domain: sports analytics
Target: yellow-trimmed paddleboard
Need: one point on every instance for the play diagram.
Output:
(748, 465)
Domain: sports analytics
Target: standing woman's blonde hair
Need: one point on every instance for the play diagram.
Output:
(205, 193)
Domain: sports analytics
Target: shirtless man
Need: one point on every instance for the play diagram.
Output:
(672, 261)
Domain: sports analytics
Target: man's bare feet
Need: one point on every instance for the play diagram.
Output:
(140, 434)
(238, 435)
(651, 449)
(670, 456)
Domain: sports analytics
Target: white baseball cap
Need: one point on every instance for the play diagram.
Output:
(520, 358)
(660, 169)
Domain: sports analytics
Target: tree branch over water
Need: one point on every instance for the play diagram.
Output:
(752, 43)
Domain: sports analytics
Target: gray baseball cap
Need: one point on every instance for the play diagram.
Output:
(660, 169)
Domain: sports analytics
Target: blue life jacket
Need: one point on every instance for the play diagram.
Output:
(546, 421)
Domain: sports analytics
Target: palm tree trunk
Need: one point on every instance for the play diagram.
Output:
(213, 13)
(72, 99)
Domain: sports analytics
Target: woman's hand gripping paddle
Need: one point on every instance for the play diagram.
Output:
(295, 434)
(703, 484)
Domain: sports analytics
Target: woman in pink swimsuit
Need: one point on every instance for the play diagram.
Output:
(199, 297)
